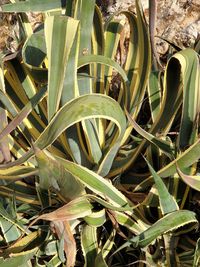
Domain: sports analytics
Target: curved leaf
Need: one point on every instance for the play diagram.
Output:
(81, 108)
(168, 223)
(77, 208)
(192, 180)
(88, 59)
(96, 219)
(34, 54)
(190, 74)
(161, 144)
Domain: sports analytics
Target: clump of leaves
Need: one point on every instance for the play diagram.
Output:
(71, 154)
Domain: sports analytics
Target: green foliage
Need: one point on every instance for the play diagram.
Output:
(79, 109)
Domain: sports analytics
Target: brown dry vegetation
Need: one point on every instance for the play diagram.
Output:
(9, 28)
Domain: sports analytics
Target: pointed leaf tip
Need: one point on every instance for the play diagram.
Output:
(167, 202)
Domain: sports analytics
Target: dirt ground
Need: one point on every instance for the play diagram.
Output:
(9, 29)
(177, 21)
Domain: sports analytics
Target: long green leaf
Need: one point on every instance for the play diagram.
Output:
(17, 172)
(4, 144)
(89, 245)
(161, 144)
(32, 6)
(154, 93)
(23, 244)
(18, 259)
(142, 65)
(133, 224)
(167, 201)
(190, 74)
(183, 160)
(85, 13)
(168, 223)
(96, 183)
(59, 34)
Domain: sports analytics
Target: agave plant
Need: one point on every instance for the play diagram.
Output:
(111, 167)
